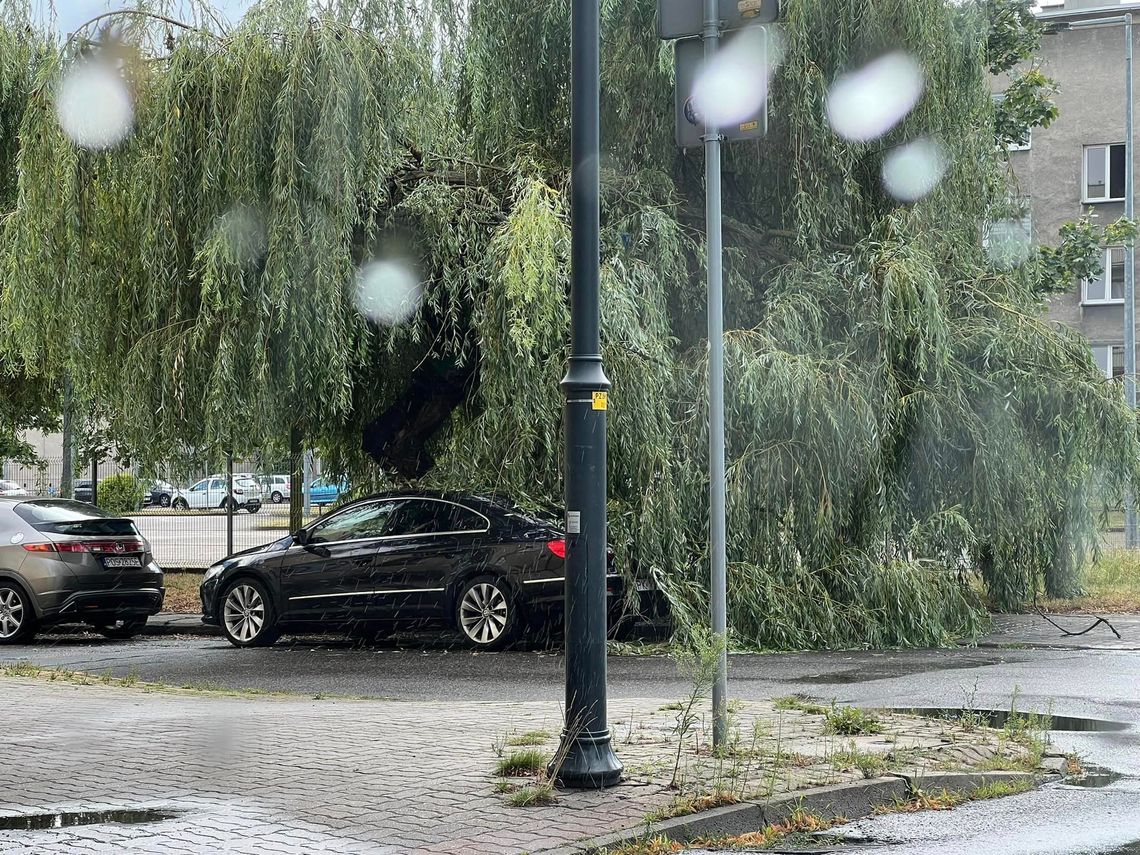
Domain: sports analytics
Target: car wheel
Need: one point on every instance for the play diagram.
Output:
(277, 497)
(17, 622)
(247, 614)
(164, 501)
(122, 629)
(253, 509)
(486, 613)
(180, 505)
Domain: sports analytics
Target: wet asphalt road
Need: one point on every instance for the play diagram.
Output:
(1072, 681)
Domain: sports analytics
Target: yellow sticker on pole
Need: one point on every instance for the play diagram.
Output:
(601, 399)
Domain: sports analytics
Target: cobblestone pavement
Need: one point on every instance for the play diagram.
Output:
(297, 775)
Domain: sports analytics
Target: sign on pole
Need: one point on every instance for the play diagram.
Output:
(690, 124)
(679, 19)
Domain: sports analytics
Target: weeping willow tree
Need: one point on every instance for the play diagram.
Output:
(898, 414)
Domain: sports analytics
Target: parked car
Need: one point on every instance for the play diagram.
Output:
(322, 492)
(211, 493)
(276, 487)
(11, 488)
(159, 494)
(67, 562)
(477, 564)
(82, 490)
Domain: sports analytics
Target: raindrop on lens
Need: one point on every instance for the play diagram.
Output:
(1008, 242)
(732, 86)
(243, 234)
(913, 170)
(94, 106)
(865, 104)
(388, 291)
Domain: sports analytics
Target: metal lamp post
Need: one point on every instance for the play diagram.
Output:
(585, 757)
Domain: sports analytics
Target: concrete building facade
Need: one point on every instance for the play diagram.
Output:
(1077, 164)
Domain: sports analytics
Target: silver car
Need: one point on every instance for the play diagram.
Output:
(69, 562)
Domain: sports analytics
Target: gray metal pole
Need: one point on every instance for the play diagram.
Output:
(717, 576)
(229, 503)
(586, 757)
(307, 485)
(1130, 533)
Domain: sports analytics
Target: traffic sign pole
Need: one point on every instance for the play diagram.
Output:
(713, 252)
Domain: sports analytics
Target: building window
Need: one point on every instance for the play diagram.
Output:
(1103, 173)
(1109, 286)
(1110, 359)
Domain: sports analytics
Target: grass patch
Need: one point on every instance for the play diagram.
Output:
(871, 765)
(850, 721)
(692, 803)
(517, 764)
(530, 737)
(801, 822)
(672, 706)
(658, 845)
(182, 592)
(1111, 584)
(536, 795)
(800, 703)
(948, 799)
(503, 787)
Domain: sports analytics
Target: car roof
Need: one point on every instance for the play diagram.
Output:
(484, 504)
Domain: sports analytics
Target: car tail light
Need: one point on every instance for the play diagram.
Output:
(237, 491)
(39, 547)
(100, 547)
(558, 547)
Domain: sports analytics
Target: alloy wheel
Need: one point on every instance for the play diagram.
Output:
(483, 613)
(11, 612)
(244, 612)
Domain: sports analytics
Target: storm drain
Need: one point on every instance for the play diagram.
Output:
(65, 819)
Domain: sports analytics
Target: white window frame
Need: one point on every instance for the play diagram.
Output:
(1111, 348)
(1106, 261)
(1026, 146)
(1085, 198)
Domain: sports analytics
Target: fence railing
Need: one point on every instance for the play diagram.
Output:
(184, 515)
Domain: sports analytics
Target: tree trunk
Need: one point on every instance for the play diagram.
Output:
(296, 481)
(67, 471)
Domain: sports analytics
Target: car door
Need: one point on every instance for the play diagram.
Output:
(330, 578)
(198, 495)
(428, 542)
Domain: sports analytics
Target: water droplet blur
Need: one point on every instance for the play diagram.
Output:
(733, 86)
(388, 291)
(242, 232)
(1008, 242)
(865, 104)
(913, 170)
(94, 106)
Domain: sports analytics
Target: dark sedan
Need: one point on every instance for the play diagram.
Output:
(478, 564)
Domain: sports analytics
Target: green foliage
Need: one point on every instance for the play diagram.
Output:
(850, 721)
(1026, 103)
(898, 414)
(527, 761)
(120, 494)
(1079, 254)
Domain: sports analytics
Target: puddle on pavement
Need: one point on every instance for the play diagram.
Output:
(29, 822)
(998, 718)
(1094, 778)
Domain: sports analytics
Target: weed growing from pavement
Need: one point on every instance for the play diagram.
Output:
(942, 799)
(850, 721)
(528, 761)
(691, 803)
(870, 764)
(533, 795)
(530, 737)
(800, 703)
(698, 661)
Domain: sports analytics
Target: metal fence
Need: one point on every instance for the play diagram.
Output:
(183, 513)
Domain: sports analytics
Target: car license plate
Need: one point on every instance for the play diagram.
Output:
(122, 561)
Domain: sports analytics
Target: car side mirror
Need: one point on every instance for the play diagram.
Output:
(302, 537)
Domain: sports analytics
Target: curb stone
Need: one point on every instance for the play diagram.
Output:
(169, 623)
(853, 801)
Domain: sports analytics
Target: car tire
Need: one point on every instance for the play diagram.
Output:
(164, 501)
(247, 615)
(253, 509)
(487, 613)
(180, 505)
(122, 629)
(277, 498)
(17, 619)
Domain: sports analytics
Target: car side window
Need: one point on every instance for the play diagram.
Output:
(463, 519)
(217, 484)
(421, 516)
(356, 523)
(201, 485)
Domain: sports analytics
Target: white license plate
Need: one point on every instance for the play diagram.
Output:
(122, 561)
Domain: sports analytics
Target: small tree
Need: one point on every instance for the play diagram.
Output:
(120, 494)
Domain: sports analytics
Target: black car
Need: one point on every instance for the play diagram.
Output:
(478, 564)
(83, 491)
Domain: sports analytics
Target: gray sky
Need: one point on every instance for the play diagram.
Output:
(72, 13)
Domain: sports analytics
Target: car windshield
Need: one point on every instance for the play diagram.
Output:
(58, 511)
(245, 482)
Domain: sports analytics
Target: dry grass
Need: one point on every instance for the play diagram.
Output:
(182, 593)
(1111, 585)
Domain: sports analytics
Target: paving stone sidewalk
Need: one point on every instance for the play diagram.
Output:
(297, 775)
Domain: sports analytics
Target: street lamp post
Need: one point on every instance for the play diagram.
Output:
(585, 757)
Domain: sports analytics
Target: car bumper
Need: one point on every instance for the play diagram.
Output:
(114, 604)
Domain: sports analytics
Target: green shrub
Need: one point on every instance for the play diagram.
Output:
(850, 721)
(120, 494)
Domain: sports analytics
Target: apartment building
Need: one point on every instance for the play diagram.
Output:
(1077, 163)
